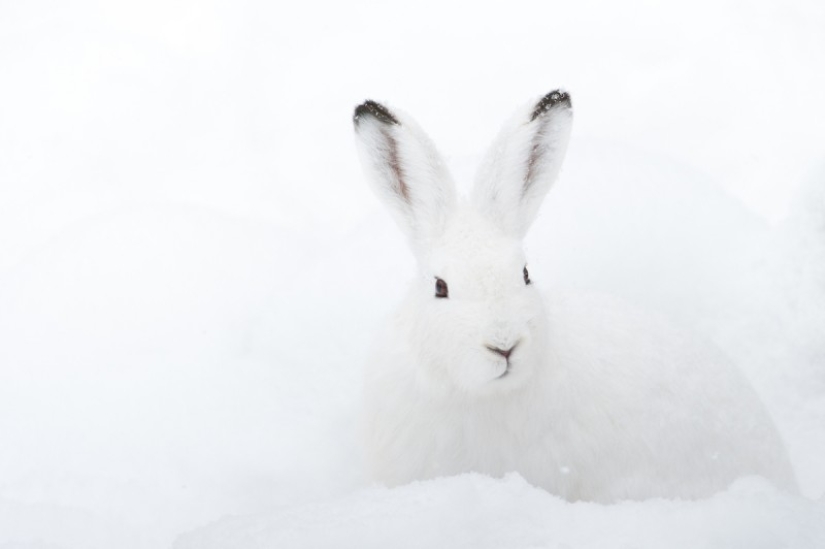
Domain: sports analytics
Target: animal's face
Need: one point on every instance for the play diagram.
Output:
(478, 317)
(475, 321)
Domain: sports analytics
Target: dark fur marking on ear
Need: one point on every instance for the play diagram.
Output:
(382, 114)
(555, 97)
(548, 102)
(376, 110)
(535, 154)
(395, 164)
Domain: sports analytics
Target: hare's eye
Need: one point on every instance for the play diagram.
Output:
(526, 275)
(440, 288)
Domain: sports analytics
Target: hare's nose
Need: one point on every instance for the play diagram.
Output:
(503, 352)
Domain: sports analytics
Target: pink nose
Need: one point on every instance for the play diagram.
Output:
(502, 352)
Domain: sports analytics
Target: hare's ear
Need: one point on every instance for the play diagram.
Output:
(523, 163)
(405, 170)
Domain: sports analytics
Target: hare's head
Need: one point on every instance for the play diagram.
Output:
(475, 317)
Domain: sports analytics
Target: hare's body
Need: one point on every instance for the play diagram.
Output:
(621, 409)
(584, 397)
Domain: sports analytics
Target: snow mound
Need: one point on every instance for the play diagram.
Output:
(476, 511)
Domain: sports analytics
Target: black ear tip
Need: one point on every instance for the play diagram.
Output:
(374, 109)
(552, 99)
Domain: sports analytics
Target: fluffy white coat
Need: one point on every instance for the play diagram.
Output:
(583, 396)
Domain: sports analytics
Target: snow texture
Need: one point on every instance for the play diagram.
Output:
(192, 266)
(479, 512)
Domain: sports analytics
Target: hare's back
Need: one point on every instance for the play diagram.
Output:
(666, 412)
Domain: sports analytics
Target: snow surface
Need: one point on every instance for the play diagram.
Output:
(479, 512)
(191, 265)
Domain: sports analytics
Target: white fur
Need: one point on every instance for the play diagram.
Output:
(597, 402)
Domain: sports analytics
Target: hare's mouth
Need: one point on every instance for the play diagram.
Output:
(504, 353)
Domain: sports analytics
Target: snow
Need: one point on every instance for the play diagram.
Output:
(479, 512)
(192, 267)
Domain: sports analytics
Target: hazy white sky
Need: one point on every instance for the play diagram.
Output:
(107, 104)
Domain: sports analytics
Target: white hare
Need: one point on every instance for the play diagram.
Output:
(477, 372)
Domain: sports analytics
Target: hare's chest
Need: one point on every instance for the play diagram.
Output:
(446, 440)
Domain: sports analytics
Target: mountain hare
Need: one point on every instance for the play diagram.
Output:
(584, 397)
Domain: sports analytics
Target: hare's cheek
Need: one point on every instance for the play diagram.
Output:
(473, 367)
(454, 343)
(433, 339)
